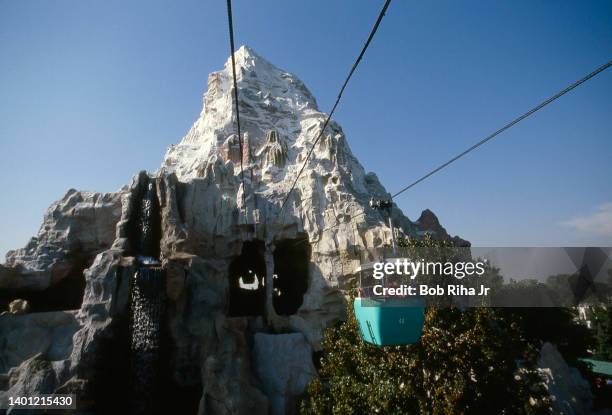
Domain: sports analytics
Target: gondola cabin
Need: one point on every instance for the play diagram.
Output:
(386, 321)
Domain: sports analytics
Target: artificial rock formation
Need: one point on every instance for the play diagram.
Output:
(222, 246)
(19, 306)
(275, 150)
(570, 392)
(74, 230)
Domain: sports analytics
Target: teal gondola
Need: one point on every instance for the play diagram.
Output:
(387, 321)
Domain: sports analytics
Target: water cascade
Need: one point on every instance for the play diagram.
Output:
(147, 312)
(146, 228)
(147, 305)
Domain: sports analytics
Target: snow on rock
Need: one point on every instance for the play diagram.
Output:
(270, 99)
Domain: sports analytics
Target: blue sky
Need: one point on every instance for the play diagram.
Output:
(93, 91)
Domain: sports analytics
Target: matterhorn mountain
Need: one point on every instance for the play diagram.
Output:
(191, 284)
(270, 100)
(280, 120)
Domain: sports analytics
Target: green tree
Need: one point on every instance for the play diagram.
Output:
(465, 362)
(602, 327)
(556, 325)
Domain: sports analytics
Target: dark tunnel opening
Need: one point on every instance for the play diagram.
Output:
(65, 294)
(247, 294)
(291, 261)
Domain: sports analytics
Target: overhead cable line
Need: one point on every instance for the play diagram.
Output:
(507, 126)
(231, 38)
(346, 81)
(487, 138)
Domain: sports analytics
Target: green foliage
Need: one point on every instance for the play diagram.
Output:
(464, 363)
(602, 326)
(564, 287)
(472, 361)
(555, 325)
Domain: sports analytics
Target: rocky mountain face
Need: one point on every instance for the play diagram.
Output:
(247, 289)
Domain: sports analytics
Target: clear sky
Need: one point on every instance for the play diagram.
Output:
(91, 92)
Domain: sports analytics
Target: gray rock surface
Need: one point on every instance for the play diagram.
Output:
(283, 363)
(75, 229)
(19, 306)
(25, 336)
(570, 392)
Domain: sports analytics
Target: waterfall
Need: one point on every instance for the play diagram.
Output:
(147, 305)
(148, 226)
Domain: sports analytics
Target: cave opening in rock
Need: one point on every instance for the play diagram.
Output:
(247, 294)
(291, 259)
(64, 293)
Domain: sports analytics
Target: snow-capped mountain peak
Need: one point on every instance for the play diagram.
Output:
(270, 99)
